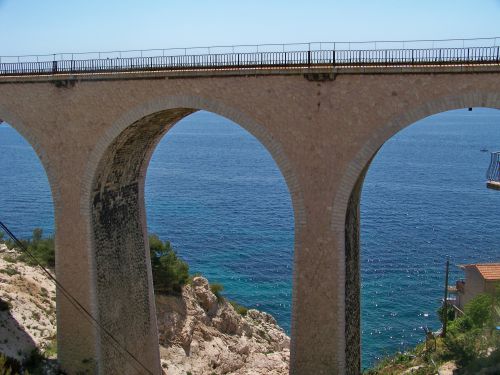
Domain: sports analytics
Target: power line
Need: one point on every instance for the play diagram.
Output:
(117, 345)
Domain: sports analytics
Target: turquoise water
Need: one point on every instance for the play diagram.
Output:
(215, 192)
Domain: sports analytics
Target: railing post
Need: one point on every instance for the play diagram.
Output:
(309, 58)
(498, 53)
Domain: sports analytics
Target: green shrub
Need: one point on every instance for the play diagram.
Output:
(479, 310)
(9, 366)
(10, 259)
(51, 349)
(242, 310)
(463, 347)
(216, 289)
(460, 325)
(5, 306)
(41, 248)
(11, 271)
(34, 362)
(170, 273)
(469, 335)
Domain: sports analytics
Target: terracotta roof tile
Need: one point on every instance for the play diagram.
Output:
(489, 271)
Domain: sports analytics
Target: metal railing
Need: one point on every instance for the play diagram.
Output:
(493, 173)
(317, 54)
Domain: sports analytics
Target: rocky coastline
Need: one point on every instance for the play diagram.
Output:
(199, 332)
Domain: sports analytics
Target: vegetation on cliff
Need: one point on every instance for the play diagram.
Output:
(471, 345)
(42, 249)
(170, 272)
(170, 276)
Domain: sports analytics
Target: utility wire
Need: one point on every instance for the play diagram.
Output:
(135, 361)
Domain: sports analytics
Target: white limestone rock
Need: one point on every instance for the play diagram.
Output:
(31, 320)
(197, 332)
(210, 337)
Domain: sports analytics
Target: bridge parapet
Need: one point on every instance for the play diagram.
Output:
(283, 57)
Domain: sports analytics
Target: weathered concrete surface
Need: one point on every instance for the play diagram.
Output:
(95, 139)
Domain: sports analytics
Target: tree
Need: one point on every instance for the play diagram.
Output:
(170, 273)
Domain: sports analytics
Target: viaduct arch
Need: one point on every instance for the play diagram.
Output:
(118, 220)
(347, 218)
(95, 134)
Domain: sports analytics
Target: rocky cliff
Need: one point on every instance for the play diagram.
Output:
(28, 309)
(202, 334)
(199, 333)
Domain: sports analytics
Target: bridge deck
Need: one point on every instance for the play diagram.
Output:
(311, 73)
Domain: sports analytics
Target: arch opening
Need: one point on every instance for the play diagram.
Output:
(26, 205)
(118, 223)
(423, 199)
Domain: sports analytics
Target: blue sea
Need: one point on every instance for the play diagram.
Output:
(217, 195)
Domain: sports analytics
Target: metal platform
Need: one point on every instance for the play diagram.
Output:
(493, 174)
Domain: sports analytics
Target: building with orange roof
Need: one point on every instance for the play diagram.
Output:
(479, 278)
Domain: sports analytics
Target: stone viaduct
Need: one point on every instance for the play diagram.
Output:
(95, 133)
